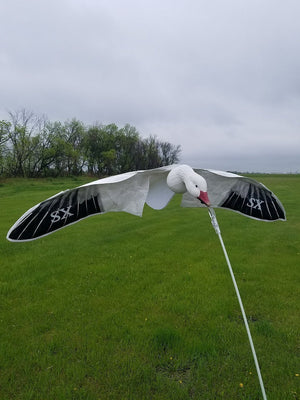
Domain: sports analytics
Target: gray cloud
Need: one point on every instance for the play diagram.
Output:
(219, 78)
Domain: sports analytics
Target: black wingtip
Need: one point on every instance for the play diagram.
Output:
(256, 202)
(54, 214)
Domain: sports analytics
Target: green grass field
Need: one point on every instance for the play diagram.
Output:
(126, 308)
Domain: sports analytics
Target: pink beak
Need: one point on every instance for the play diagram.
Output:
(204, 198)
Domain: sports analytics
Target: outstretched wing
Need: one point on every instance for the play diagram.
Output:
(254, 200)
(56, 212)
(125, 192)
(241, 194)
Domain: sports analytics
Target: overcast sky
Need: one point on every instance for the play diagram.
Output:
(219, 77)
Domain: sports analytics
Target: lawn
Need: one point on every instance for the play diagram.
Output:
(126, 308)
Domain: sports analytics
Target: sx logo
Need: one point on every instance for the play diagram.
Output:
(255, 203)
(65, 213)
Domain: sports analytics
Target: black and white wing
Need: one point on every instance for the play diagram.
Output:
(240, 194)
(125, 192)
(130, 191)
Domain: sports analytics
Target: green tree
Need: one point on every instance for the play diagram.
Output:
(152, 153)
(169, 153)
(23, 127)
(73, 134)
(126, 142)
(4, 137)
(34, 146)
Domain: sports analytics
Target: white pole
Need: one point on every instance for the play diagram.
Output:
(218, 232)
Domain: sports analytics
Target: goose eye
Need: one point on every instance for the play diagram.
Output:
(196, 185)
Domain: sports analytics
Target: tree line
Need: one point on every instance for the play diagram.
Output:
(33, 146)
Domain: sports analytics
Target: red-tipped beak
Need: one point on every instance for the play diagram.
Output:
(204, 198)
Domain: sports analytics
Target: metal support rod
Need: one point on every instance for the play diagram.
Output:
(218, 232)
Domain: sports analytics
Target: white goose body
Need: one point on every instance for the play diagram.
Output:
(184, 179)
(130, 191)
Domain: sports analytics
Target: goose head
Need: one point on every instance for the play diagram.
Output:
(183, 179)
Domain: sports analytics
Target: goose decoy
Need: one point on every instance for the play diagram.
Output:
(130, 191)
